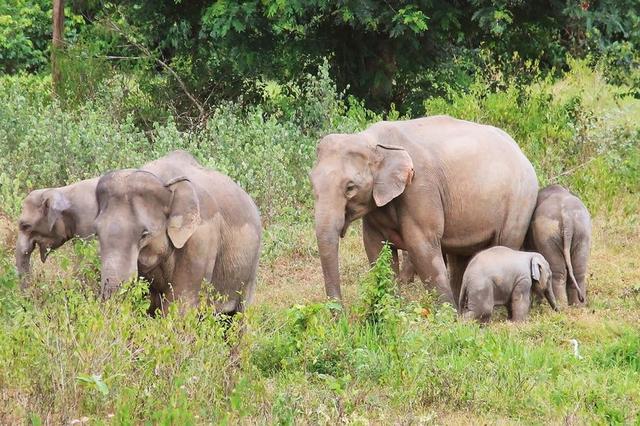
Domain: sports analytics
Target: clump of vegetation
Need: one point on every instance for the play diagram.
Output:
(66, 355)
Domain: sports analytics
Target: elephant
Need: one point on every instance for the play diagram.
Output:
(178, 224)
(431, 186)
(561, 230)
(407, 272)
(502, 276)
(52, 216)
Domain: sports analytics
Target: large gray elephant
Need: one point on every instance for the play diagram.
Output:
(178, 224)
(500, 276)
(561, 231)
(429, 186)
(52, 216)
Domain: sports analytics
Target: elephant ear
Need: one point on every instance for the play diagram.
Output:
(184, 216)
(535, 269)
(394, 172)
(54, 203)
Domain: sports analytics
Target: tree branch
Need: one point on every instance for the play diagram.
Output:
(149, 54)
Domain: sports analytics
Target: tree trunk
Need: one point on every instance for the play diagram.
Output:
(57, 42)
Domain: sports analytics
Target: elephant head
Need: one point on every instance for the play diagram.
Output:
(41, 223)
(353, 176)
(541, 279)
(141, 221)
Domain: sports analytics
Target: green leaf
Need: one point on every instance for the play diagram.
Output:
(96, 381)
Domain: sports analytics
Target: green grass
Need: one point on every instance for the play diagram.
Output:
(385, 358)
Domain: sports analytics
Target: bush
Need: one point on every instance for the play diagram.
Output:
(579, 131)
(268, 151)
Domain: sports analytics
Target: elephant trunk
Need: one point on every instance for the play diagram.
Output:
(551, 298)
(24, 248)
(328, 229)
(116, 269)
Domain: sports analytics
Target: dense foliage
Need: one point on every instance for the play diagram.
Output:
(580, 122)
(381, 51)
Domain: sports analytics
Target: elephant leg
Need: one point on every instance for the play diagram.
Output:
(457, 266)
(431, 268)
(521, 300)
(482, 315)
(558, 277)
(189, 273)
(407, 272)
(395, 262)
(579, 260)
(373, 241)
(422, 241)
(155, 299)
(509, 311)
(480, 301)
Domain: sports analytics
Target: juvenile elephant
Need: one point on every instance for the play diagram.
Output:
(52, 216)
(178, 230)
(502, 276)
(561, 230)
(429, 186)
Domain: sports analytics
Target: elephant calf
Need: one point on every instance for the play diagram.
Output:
(502, 276)
(52, 216)
(561, 231)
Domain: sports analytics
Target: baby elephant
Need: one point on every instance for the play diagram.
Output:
(561, 231)
(502, 276)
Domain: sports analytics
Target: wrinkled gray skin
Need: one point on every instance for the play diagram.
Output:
(406, 270)
(178, 224)
(502, 276)
(429, 186)
(52, 216)
(561, 230)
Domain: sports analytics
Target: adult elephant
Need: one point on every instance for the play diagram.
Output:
(178, 224)
(429, 186)
(52, 216)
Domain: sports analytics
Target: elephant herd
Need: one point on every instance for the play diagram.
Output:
(172, 221)
(459, 198)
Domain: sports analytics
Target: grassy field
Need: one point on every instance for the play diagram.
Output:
(64, 356)
(390, 356)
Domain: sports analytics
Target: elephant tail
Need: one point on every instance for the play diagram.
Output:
(567, 237)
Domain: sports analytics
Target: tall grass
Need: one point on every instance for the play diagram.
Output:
(65, 355)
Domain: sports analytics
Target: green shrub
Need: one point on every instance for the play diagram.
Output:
(579, 131)
(268, 150)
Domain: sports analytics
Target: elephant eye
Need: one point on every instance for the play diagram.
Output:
(24, 226)
(145, 233)
(350, 188)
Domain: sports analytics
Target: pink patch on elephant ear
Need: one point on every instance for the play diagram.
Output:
(179, 232)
